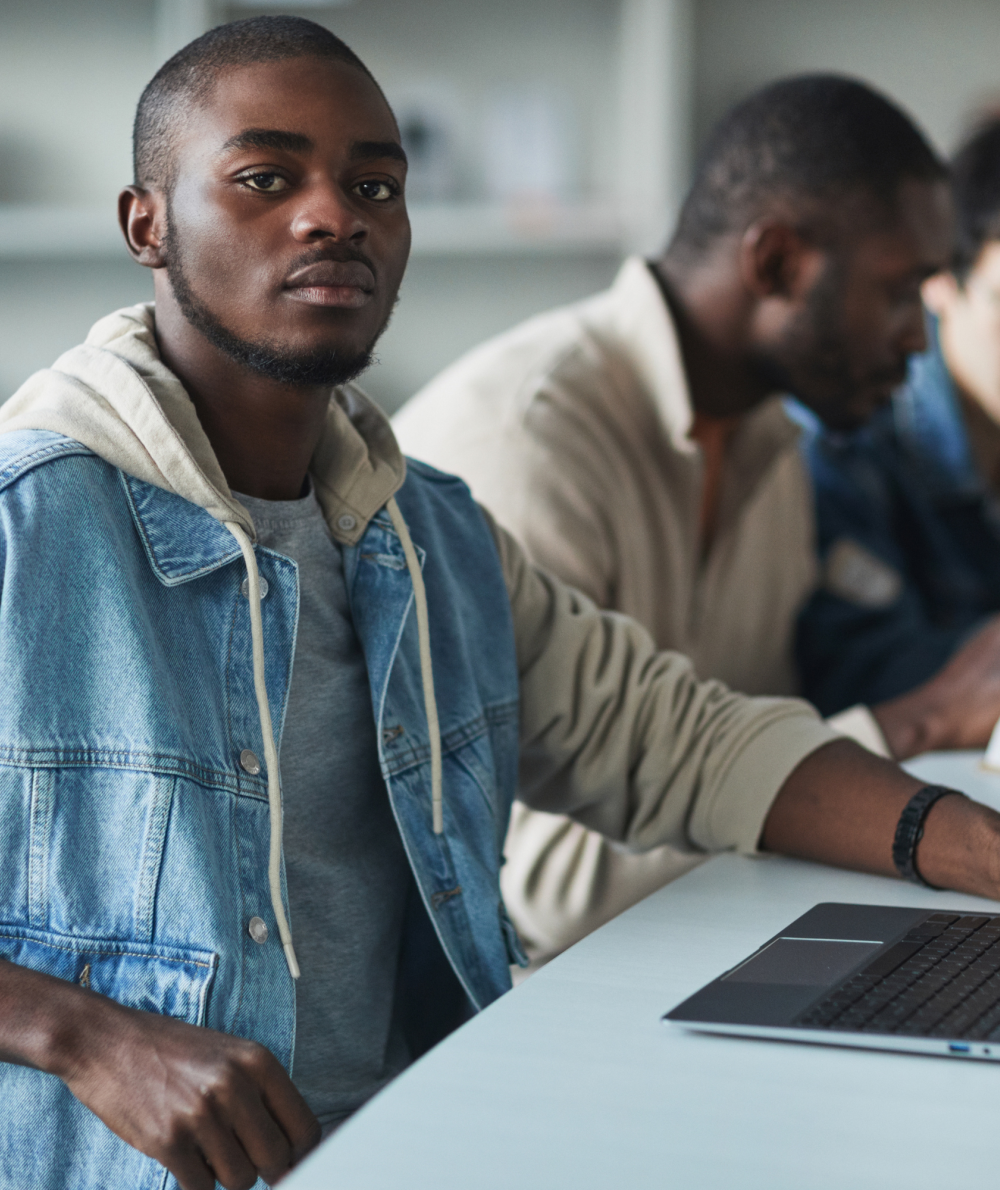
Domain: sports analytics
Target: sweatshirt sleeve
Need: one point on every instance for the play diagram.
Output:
(626, 740)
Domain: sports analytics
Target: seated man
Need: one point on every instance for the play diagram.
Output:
(908, 509)
(192, 500)
(634, 445)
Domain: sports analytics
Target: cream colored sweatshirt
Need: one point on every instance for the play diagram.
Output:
(573, 429)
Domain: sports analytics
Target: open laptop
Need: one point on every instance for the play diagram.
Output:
(873, 976)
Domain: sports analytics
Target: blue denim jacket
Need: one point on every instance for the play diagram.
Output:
(907, 489)
(134, 846)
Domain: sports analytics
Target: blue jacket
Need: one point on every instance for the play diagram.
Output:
(134, 846)
(909, 540)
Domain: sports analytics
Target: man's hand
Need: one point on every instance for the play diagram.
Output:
(208, 1106)
(957, 708)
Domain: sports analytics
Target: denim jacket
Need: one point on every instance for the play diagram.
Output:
(909, 538)
(134, 844)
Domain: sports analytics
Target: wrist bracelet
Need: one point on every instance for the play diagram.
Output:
(910, 830)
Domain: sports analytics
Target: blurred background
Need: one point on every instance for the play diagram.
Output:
(548, 138)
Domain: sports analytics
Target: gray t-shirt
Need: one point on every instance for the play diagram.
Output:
(347, 873)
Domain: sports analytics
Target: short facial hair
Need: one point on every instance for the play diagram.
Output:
(261, 356)
(816, 346)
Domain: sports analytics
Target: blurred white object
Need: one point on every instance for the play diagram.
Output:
(528, 151)
(991, 758)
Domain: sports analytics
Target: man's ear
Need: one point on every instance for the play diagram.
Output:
(940, 293)
(142, 217)
(776, 261)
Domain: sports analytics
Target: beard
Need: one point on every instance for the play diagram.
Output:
(323, 367)
(816, 361)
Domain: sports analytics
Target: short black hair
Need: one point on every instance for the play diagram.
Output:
(816, 139)
(190, 74)
(975, 172)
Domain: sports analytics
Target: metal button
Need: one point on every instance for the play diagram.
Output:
(249, 762)
(346, 522)
(245, 587)
(257, 929)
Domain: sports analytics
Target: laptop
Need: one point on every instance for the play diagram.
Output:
(868, 976)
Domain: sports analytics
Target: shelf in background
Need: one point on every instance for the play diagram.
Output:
(468, 229)
(461, 229)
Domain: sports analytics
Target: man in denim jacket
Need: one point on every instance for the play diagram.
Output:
(156, 1026)
(907, 508)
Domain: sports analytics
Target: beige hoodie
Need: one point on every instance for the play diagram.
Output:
(620, 736)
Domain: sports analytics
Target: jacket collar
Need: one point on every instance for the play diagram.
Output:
(115, 395)
(642, 324)
(928, 419)
(181, 540)
(640, 320)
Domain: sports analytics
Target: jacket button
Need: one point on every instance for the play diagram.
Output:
(257, 929)
(249, 762)
(245, 587)
(346, 522)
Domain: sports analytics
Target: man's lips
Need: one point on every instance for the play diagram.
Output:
(345, 283)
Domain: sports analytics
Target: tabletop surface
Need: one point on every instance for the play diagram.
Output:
(573, 1081)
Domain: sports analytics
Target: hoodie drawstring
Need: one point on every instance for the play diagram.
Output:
(270, 751)
(426, 672)
(264, 710)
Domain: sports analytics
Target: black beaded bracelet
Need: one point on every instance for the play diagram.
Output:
(910, 830)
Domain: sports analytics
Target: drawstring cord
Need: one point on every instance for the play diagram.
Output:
(270, 751)
(426, 673)
(264, 710)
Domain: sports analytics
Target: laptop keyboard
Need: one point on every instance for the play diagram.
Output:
(941, 980)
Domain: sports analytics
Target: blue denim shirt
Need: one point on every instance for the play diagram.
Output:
(134, 846)
(907, 490)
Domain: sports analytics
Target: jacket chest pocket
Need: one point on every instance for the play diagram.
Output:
(48, 1136)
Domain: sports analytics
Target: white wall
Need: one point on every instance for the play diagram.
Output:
(71, 71)
(939, 58)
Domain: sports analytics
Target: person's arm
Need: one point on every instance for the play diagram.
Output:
(208, 1106)
(841, 805)
(626, 740)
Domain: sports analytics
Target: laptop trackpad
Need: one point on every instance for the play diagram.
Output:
(813, 962)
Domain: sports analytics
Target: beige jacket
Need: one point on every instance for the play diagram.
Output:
(620, 736)
(573, 430)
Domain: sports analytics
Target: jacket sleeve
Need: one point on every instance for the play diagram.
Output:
(865, 635)
(626, 740)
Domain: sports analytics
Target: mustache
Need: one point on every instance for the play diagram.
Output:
(338, 253)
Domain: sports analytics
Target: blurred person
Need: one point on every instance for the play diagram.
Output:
(214, 553)
(635, 444)
(908, 508)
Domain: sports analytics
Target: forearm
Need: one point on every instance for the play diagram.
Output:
(841, 806)
(40, 1018)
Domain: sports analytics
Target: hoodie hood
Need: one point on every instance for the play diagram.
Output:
(114, 394)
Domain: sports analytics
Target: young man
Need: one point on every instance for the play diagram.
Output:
(191, 500)
(634, 443)
(907, 508)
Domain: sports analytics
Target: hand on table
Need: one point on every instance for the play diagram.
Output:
(957, 708)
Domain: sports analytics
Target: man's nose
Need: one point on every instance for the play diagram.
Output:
(326, 212)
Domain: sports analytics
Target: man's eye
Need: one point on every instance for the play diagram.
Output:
(266, 183)
(377, 191)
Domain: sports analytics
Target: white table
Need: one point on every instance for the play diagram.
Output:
(572, 1081)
